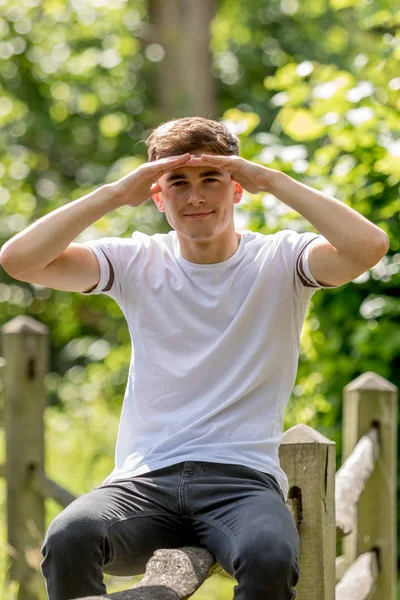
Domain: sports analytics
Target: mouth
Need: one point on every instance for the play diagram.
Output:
(198, 215)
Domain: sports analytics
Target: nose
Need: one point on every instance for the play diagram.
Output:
(195, 197)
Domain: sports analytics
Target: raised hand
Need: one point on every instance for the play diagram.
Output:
(138, 186)
(252, 177)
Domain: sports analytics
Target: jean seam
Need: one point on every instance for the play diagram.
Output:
(147, 514)
(121, 520)
(225, 531)
(217, 526)
(275, 485)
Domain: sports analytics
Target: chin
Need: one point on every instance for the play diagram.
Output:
(200, 235)
(195, 231)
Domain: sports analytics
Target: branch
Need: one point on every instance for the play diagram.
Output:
(171, 574)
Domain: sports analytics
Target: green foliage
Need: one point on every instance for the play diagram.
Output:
(311, 88)
(329, 116)
(331, 120)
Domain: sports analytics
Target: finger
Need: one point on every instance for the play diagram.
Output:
(227, 163)
(212, 156)
(197, 161)
(161, 163)
(159, 167)
(217, 158)
(168, 160)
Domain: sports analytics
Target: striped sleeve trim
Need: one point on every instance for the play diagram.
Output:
(300, 268)
(112, 276)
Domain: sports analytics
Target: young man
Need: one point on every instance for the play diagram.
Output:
(215, 318)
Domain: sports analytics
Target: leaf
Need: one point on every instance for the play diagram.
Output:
(300, 125)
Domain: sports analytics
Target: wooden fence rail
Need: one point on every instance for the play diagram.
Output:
(356, 505)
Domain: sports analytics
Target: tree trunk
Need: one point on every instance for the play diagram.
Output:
(185, 86)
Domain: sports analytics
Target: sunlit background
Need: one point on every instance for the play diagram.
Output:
(311, 88)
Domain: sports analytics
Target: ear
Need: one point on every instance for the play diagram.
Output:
(238, 193)
(158, 202)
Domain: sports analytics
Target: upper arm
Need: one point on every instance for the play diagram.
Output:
(74, 270)
(329, 267)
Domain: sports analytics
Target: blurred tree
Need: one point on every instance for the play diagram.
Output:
(179, 31)
(323, 81)
(311, 89)
(327, 114)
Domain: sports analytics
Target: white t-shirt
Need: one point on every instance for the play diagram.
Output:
(215, 348)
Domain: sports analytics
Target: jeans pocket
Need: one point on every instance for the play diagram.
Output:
(272, 480)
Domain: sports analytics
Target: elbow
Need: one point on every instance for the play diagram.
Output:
(6, 261)
(387, 243)
(384, 245)
(3, 259)
(381, 249)
(6, 268)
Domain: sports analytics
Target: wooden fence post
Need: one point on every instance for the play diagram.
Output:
(367, 401)
(309, 461)
(25, 350)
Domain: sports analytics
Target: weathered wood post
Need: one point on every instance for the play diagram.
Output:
(367, 401)
(309, 461)
(25, 350)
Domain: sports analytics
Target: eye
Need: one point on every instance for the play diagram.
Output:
(210, 179)
(178, 183)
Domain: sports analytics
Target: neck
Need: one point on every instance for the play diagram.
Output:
(209, 251)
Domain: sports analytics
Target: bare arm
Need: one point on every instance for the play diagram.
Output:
(44, 253)
(38, 245)
(353, 243)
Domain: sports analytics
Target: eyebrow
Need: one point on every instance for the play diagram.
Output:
(203, 174)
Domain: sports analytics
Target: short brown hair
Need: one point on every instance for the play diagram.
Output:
(179, 136)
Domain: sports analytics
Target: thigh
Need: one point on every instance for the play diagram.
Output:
(239, 511)
(130, 519)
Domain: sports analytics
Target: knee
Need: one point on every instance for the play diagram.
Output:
(66, 535)
(282, 558)
(276, 558)
(267, 570)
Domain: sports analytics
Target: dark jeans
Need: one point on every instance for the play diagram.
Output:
(236, 512)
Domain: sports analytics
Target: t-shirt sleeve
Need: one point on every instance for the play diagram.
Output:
(115, 256)
(297, 248)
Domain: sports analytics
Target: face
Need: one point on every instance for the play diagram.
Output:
(198, 201)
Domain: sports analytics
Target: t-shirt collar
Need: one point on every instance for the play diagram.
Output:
(213, 266)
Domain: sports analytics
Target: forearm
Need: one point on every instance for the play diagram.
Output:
(39, 244)
(348, 231)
